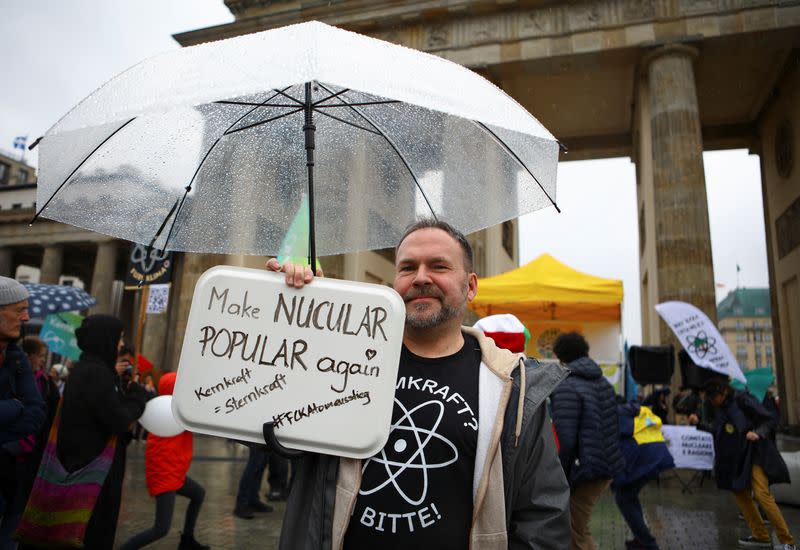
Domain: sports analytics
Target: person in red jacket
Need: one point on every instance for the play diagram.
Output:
(166, 461)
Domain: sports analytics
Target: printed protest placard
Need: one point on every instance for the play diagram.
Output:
(689, 447)
(157, 299)
(320, 362)
(700, 338)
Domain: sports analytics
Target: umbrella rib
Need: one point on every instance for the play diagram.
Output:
(324, 99)
(81, 163)
(188, 188)
(172, 226)
(287, 96)
(349, 123)
(229, 131)
(164, 223)
(519, 160)
(396, 150)
(254, 104)
(358, 104)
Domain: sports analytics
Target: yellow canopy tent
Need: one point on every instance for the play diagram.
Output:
(547, 290)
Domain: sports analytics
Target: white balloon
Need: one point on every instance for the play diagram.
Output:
(157, 418)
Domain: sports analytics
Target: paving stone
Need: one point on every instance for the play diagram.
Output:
(705, 518)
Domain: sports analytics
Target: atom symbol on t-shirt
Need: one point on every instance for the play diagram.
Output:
(701, 344)
(412, 466)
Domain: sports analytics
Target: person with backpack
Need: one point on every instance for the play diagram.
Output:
(646, 455)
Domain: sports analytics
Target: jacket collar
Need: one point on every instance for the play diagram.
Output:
(500, 361)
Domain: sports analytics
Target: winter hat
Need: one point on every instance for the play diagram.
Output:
(11, 291)
(506, 330)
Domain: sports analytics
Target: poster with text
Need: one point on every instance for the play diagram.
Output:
(700, 338)
(689, 447)
(320, 362)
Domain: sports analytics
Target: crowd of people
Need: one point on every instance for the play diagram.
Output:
(549, 439)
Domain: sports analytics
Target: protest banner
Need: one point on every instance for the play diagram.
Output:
(147, 266)
(690, 448)
(320, 363)
(700, 338)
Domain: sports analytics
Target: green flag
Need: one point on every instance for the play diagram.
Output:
(294, 247)
(758, 380)
(58, 332)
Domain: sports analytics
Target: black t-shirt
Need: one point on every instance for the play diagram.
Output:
(417, 492)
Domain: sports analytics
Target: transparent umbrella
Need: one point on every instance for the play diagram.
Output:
(214, 148)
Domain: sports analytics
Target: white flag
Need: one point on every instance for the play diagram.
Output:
(700, 338)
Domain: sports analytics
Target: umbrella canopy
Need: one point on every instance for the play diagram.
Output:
(47, 299)
(215, 148)
(545, 290)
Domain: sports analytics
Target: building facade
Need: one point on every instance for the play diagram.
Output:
(659, 81)
(745, 322)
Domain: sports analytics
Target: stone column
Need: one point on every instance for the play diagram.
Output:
(682, 239)
(105, 264)
(5, 262)
(52, 262)
(188, 269)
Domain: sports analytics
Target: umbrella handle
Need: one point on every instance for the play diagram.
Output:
(275, 446)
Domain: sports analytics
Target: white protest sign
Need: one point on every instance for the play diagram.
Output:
(320, 362)
(689, 447)
(700, 338)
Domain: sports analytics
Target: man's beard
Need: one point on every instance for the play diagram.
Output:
(446, 312)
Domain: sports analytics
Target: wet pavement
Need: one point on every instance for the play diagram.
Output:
(704, 519)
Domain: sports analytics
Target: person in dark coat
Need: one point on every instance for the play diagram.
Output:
(643, 463)
(585, 417)
(747, 460)
(22, 411)
(94, 409)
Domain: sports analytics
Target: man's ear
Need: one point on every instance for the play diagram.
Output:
(472, 286)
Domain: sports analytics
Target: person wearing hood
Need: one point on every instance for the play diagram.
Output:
(166, 462)
(585, 416)
(746, 460)
(646, 455)
(495, 483)
(22, 410)
(94, 408)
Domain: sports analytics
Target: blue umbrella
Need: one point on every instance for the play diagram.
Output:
(47, 299)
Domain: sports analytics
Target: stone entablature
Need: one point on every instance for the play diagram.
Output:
(430, 26)
(15, 231)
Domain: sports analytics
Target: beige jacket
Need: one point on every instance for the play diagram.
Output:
(489, 513)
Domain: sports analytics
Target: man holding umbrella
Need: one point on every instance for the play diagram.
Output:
(471, 458)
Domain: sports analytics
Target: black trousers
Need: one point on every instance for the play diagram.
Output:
(165, 507)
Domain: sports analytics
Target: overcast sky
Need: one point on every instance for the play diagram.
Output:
(55, 53)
